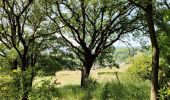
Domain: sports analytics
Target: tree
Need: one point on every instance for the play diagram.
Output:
(20, 30)
(163, 28)
(91, 26)
(147, 6)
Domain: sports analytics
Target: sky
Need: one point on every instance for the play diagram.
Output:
(132, 42)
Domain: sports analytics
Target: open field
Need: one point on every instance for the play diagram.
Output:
(68, 87)
(73, 77)
(107, 88)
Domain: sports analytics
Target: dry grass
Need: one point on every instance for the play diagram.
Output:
(73, 77)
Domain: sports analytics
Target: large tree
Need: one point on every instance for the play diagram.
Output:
(91, 26)
(22, 29)
(148, 7)
(163, 29)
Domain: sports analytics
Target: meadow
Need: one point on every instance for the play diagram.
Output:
(103, 85)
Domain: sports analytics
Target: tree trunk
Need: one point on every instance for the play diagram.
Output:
(24, 83)
(85, 72)
(26, 80)
(155, 52)
(27, 83)
(84, 75)
(14, 64)
(25, 96)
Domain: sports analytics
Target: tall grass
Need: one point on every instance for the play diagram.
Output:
(129, 89)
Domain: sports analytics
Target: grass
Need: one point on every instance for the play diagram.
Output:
(130, 89)
(73, 77)
(104, 86)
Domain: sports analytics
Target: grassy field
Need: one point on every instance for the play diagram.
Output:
(103, 86)
(73, 77)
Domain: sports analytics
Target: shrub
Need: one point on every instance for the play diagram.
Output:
(163, 93)
(43, 92)
(141, 66)
(9, 84)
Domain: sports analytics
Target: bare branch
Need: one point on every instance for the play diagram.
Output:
(166, 3)
(67, 23)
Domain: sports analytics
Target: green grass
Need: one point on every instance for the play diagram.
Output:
(129, 89)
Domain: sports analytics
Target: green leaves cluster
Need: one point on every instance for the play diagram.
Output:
(141, 66)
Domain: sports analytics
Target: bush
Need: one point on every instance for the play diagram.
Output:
(141, 66)
(9, 84)
(44, 92)
(164, 93)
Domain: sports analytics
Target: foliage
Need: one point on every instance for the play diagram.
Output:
(48, 91)
(106, 58)
(9, 84)
(8, 57)
(56, 60)
(122, 54)
(164, 93)
(60, 34)
(90, 27)
(162, 22)
(141, 66)
(20, 28)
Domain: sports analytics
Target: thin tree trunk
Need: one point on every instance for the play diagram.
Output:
(155, 52)
(27, 84)
(14, 64)
(24, 83)
(27, 81)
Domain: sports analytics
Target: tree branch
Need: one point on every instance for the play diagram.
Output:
(84, 18)
(137, 4)
(166, 3)
(25, 8)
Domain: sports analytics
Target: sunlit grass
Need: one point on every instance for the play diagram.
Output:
(128, 89)
(68, 87)
(73, 77)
